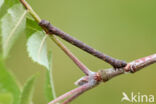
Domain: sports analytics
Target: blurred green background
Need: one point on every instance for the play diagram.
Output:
(125, 29)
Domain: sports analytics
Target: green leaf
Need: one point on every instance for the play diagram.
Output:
(49, 86)
(36, 45)
(31, 26)
(27, 93)
(37, 49)
(1, 3)
(12, 25)
(8, 85)
(6, 5)
(6, 98)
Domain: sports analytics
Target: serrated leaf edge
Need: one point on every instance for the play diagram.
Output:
(40, 49)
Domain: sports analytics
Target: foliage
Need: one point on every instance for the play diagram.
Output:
(9, 89)
(27, 93)
(12, 25)
(15, 20)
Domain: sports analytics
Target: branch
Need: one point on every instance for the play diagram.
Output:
(92, 79)
(53, 30)
(61, 45)
(72, 98)
(140, 63)
(71, 55)
(105, 75)
(32, 12)
(78, 91)
(134, 66)
(76, 95)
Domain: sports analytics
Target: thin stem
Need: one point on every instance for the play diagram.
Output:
(80, 89)
(51, 78)
(52, 84)
(32, 12)
(53, 30)
(76, 61)
(71, 55)
(140, 63)
(76, 95)
(107, 74)
(72, 98)
(103, 75)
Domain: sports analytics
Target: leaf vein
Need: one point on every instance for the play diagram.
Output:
(14, 29)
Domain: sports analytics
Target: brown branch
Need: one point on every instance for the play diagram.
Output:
(53, 30)
(59, 43)
(104, 75)
(140, 63)
(92, 79)
(74, 96)
(134, 66)
(79, 90)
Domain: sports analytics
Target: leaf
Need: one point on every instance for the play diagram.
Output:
(6, 98)
(8, 85)
(12, 24)
(37, 49)
(6, 5)
(36, 45)
(31, 26)
(27, 93)
(1, 3)
(49, 85)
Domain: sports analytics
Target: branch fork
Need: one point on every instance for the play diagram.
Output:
(92, 79)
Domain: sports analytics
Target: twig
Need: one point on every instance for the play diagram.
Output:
(134, 66)
(92, 79)
(72, 56)
(140, 63)
(80, 89)
(65, 49)
(75, 95)
(53, 30)
(72, 98)
(107, 74)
